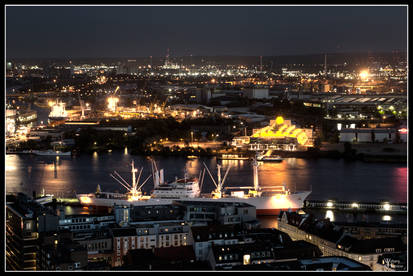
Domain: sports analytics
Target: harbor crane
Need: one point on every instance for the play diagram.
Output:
(82, 107)
(113, 101)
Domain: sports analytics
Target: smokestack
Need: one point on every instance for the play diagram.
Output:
(161, 177)
(156, 184)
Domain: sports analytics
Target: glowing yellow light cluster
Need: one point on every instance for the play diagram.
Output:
(364, 74)
(302, 138)
(101, 80)
(134, 198)
(284, 130)
(280, 200)
(85, 200)
(279, 120)
(112, 103)
(58, 109)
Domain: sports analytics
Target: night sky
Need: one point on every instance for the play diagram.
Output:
(138, 31)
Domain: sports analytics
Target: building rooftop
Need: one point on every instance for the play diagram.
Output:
(122, 232)
(214, 232)
(370, 246)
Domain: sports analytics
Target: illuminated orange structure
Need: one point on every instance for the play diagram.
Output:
(112, 103)
(280, 128)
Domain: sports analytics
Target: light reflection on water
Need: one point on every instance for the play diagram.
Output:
(328, 179)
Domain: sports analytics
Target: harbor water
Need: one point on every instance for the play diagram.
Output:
(327, 178)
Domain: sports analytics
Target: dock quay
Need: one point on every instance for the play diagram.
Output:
(379, 207)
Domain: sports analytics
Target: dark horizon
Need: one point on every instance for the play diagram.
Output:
(76, 32)
(361, 58)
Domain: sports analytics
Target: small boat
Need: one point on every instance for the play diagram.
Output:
(267, 157)
(233, 157)
(274, 158)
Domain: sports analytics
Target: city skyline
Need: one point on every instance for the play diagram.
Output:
(206, 138)
(123, 31)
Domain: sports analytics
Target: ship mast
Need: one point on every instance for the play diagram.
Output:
(219, 184)
(134, 190)
(219, 177)
(133, 177)
(255, 170)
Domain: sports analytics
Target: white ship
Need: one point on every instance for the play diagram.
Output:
(268, 200)
(233, 157)
(58, 112)
(163, 192)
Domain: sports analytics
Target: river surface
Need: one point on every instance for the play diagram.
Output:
(327, 178)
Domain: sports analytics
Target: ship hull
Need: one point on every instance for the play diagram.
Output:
(56, 119)
(271, 205)
(233, 158)
(270, 160)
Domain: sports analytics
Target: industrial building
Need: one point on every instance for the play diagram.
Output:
(257, 93)
(368, 135)
(280, 134)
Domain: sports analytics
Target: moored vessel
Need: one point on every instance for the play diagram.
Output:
(268, 200)
(267, 157)
(233, 157)
(58, 112)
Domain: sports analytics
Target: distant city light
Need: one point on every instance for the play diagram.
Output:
(364, 74)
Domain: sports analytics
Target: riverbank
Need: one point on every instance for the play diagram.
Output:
(368, 152)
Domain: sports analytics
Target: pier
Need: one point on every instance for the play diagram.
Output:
(380, 207)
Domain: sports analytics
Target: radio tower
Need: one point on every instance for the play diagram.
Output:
(325, 64)
(260, 63)
(167, 57)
